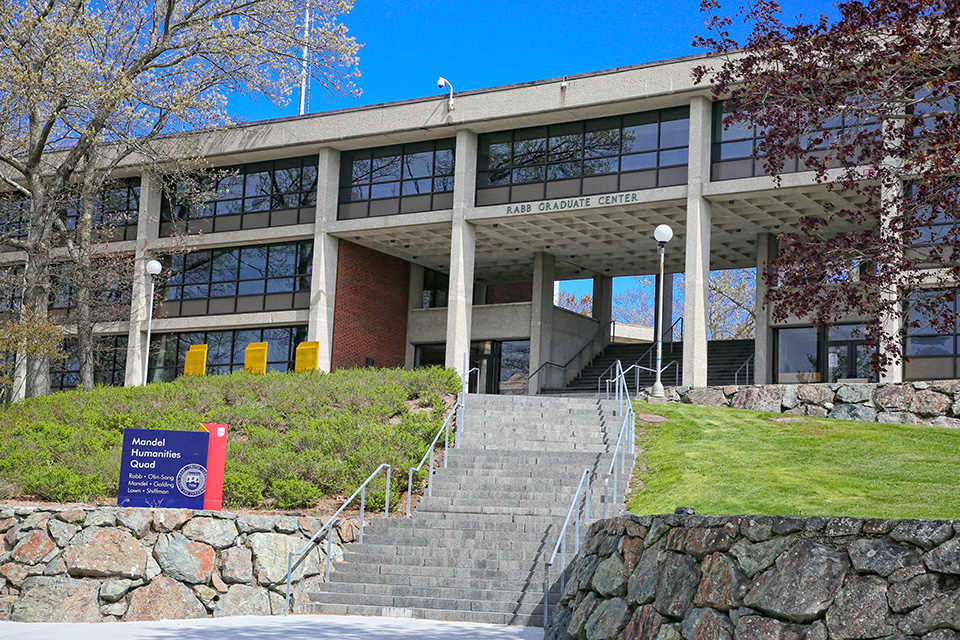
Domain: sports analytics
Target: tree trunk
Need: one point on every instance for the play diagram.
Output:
(84, 279)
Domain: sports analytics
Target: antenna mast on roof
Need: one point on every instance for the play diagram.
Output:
(305, 64)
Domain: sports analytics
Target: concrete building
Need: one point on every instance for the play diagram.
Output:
(410, 233)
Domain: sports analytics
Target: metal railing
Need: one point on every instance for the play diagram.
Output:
(328, 529)
(746, 375)
(625, 439)
(649, 353)
(430, 454)
(625, 446)
(578, 356)
(561, 547)
(636, 368)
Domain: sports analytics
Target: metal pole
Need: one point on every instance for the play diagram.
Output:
(386, 497)
(326, 575)
(409, 489)
(146, 350)
(363, 504)
(657, 391)
(305, 64)
(286, 604)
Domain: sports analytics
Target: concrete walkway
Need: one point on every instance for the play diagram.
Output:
(314, 627)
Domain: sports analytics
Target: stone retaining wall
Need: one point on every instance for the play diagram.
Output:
(933, 403)
(76, 564)
(697, 577)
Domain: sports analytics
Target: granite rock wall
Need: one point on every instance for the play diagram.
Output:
(78, 564)
(694, 577)
(931, 403)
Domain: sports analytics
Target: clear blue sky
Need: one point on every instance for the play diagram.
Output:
(477, 44)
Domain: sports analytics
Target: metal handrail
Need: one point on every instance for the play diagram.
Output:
(636, 378)
(429, 454)
(746, 375)
(328, 529)
(578, 354)
(561, 546)
(625, 439)
(649, 351)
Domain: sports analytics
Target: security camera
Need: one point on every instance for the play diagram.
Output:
(441, 83)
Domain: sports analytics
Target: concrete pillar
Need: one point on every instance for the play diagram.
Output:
(415, 302)
(463, 244)
(602, 310)
(763, 350)
(541, 316)
(891, 197)
(148, 229)
(667, 306)
(323, 281)
(697, 249)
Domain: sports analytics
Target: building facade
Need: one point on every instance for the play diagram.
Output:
(410, 233)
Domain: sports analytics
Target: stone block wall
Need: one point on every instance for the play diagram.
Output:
(697, 577)
(77, 564)
(931, 403)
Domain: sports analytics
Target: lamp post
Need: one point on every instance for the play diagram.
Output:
(662, 234)
(153, 270)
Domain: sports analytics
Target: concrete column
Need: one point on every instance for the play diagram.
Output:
(463, 244)
(602, 310)
(697, 249)
(323, 281)
(891, 197)
(415, 301)
(667, 316)
(763, 350)
(541, 314)
(148, 229)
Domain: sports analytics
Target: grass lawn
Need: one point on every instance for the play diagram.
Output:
(731, 461)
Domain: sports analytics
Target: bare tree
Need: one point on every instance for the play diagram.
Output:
(86, 86)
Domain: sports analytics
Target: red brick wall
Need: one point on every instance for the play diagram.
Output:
(370, 314)
(504, 293)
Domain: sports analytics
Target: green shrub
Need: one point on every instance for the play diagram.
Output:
(241, 489)
(292, 493)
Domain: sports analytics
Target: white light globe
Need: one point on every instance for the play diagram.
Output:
(663, 233)
(154, 267)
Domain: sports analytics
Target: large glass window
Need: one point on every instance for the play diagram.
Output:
(620, 153)
(110, 364)
(239, 280)
(249, 196)
(115, 215)
(397, 179)
(225, 350)
(931, 347)
(798, 355)
(736, 149)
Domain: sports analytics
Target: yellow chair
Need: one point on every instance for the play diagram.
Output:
(308, 357)
(195, 361)
(255, 358)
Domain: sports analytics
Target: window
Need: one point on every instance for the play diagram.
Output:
(239, 280)
(736, 149)
(110, 364)
(225, 350)
(114, 218)
(798, 355)
(620, 153)
(396, 179)
(436, 287)
(932, 345)
(248, 196)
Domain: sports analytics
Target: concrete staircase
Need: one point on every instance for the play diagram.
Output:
(474, 551)
(724, 359)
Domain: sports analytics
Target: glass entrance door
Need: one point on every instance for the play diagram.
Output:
(848, 355)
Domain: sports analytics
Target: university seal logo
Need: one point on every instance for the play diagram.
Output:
(192, 480)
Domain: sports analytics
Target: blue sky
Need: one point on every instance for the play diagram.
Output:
(477, 44)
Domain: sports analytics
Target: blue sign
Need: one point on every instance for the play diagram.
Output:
(163, 469)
